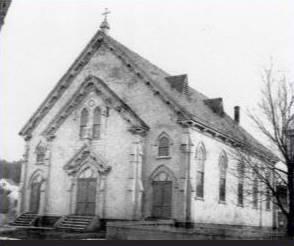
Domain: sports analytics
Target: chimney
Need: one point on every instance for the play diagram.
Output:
(237, 114)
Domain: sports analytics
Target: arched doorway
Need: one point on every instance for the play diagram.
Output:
(35, 194)
(86, 192)
(162, 196)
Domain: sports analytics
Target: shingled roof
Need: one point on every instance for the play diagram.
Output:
(195, 104)
(191, 105)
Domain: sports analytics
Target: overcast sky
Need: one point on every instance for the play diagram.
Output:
(221, 45)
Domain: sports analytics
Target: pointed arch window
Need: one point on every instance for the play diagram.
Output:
(255, 190)
(268, 191)
(163, 146)
(96, 123)
(83, 123)
(40, 153)
(200, 165)
(223, 165)
(241, 175)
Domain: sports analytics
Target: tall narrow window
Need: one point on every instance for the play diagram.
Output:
(200, 160)
(241, 173)
(83, 123)
(223, 164)
(268, 192)
(96, 123)
(40, 153)
(255, 191)
(163, 146)
(40, 157)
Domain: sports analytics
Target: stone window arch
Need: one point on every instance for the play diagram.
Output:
(163, 145)
(96, 130)
(223, 166)
(87, 172)
(200, 170)
(84, 120)
(163, 173)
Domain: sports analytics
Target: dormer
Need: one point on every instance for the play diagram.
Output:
(179, 82)
(216, 105)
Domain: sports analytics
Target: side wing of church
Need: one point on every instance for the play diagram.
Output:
(119, 138)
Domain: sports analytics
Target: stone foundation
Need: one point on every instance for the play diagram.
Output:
(152, 230)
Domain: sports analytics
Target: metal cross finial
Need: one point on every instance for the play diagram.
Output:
(104, 27)
(106, 12)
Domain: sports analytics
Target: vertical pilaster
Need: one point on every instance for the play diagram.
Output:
(186, 149)
(47, 182)
(23, 181)
(135, 183)
(70, 192)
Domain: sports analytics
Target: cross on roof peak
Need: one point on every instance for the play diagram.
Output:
(106, 12)
(104, 25)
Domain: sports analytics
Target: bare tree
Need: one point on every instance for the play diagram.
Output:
(257, 167)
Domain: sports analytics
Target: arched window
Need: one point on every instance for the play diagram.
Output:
(200, 160)
(96, 123)
(268, 191)
(83, 123)
(40, 153)
(163, 146)
(223, 164)
(241, 174)
(255, 190)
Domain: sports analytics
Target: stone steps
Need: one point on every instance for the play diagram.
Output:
(25, 219)
(75, 222)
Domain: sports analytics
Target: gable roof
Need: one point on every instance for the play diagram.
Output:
(192, 107)
(94, 84)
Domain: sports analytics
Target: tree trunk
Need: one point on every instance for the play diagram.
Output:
(290, 217)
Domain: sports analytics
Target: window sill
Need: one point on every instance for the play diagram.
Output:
(240, 205)
(163, 157)
(197, 198)
(222, 202)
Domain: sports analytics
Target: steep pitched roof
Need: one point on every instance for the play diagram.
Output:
(192, 107)
(112, 100)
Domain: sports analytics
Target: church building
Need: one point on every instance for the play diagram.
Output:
(120, 139)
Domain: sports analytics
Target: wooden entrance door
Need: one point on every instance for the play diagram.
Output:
(86, 196)
(35, 197)
(162, 199)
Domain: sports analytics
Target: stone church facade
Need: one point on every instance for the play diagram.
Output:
(119, 138)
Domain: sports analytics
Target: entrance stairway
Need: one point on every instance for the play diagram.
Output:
(25, 219)
(74, 222)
